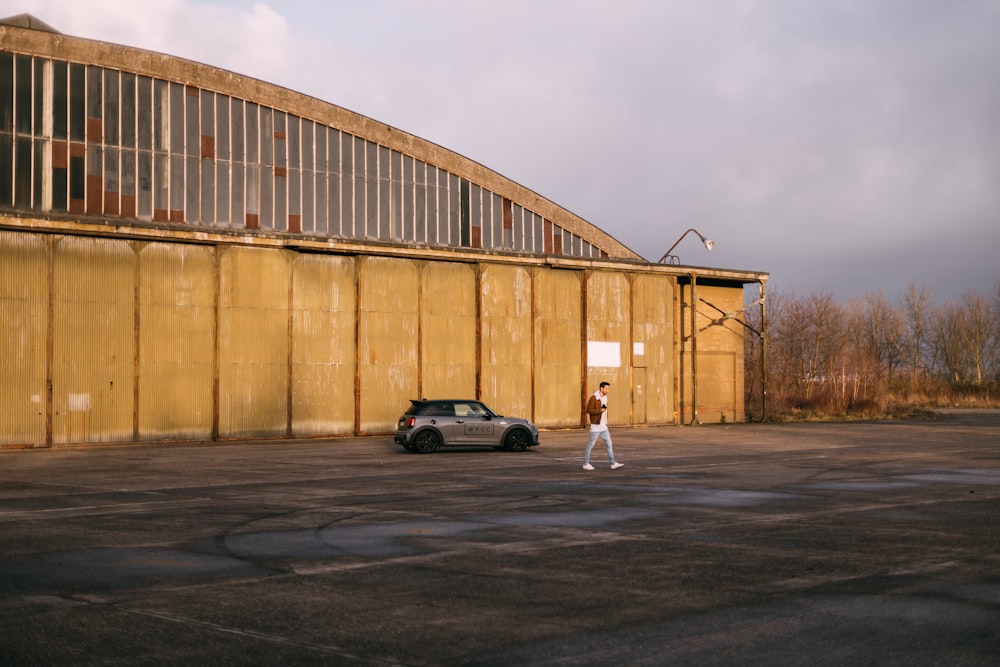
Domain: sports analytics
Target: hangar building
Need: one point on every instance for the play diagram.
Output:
(188, 254)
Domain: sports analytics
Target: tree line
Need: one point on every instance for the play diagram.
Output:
(872, 356)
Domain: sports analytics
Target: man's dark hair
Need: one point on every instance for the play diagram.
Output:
(604, 384)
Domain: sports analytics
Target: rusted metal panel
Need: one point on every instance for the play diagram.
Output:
(24, 324)
(388, 349)
(653, 345)
(323, 345)
(448, 331)
(609, 339)
(506, 339)
(558, 340)
(176, 342)
(93, 349)
(253, 343)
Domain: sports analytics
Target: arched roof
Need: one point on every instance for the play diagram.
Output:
(39, 40)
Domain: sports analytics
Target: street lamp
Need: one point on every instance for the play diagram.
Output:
(672, 259)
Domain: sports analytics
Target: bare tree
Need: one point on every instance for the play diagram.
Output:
(916, 306)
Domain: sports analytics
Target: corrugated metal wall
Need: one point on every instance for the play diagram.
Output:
(324, 344)
(176, 374)
(93, 340)
(24, 315)
(154, 341)
(653, 346)
(558, 345)
(253, 342)
(505, 320)
(388, 342)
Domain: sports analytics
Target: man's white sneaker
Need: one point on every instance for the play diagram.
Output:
(587, 466)
(616, 466)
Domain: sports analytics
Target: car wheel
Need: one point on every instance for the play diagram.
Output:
(516, 441)
(426, 442)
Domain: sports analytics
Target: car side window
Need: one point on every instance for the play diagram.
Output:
(439, 410)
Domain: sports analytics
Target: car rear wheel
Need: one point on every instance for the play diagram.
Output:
(516, 440)
(426, 442)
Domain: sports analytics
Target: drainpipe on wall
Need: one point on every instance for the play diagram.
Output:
(694, 349)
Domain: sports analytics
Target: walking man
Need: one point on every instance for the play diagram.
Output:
(597, 411)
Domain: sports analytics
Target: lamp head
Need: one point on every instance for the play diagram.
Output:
(709, 243)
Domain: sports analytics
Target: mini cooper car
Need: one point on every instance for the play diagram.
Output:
(430, 424)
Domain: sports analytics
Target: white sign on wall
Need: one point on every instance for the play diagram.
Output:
(604, 354)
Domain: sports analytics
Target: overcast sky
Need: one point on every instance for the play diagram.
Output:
(843, 146)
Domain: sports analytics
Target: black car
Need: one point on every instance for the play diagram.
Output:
(430, 424)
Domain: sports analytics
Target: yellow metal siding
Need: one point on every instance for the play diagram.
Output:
(558, 346)
(253, 343)
(323, 345)
(653, 330)
(24, 324)
(448, 331)
(720, 356)
(93, 341)
(506, 339)
(608, 321)
(176, 341)
(388, 323)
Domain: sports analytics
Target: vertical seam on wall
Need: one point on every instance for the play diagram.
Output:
(358, 273)
(137, 247)
(217, 267)
(292, 258)
(49, 340)
(479, 331)
(534, 323)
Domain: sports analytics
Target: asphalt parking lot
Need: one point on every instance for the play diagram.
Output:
(795, 544)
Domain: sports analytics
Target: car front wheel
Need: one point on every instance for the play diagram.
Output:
(426, 442)
(516, 441)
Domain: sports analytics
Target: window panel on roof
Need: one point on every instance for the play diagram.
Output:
(237, 132)
(77, 102)
(420, 231)
(161, 186)
(371, 174)
(222, 123)
(266, 195)
(175, 120)
(111, 110)
(6, 93)
(128, 108)
(435, 233)
(346, 222)
(95, 90)
(192, 123)
(208, 189)
(161, 115)
(222, 196)
(265, 137)
(22, 94)
(6, 169)
(60, 100)
(192, 190)
(251, 125)
(42, 69)
(308, 202)
(280, 134)
(395, 195)
(384, 183)
(307, 146)
(409, 231)
(22, 169)
(237, 196)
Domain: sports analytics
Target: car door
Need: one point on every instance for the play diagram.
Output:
(473, 424)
